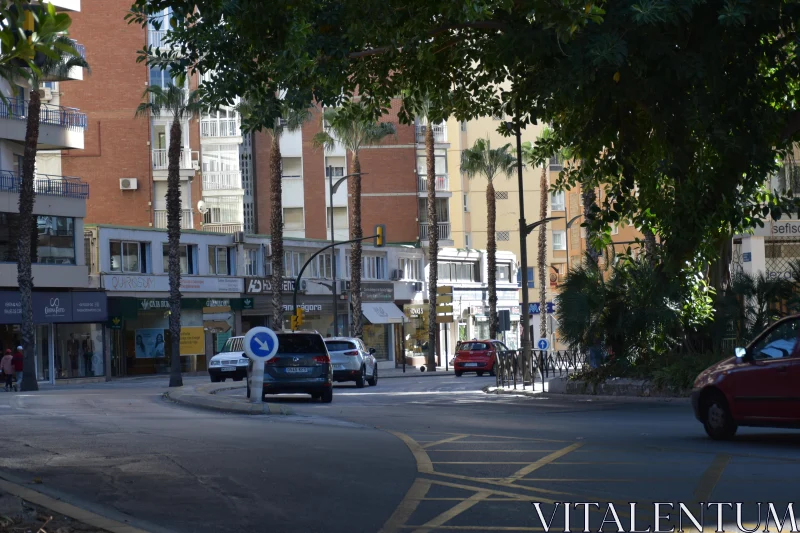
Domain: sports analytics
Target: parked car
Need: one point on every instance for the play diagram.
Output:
(231, 362)
(477, 356)
(301, 365)
(352, 361)
(756, 387)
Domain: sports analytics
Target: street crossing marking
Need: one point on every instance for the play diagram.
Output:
(453, 512)
(711, 477)
(542, 462)
(444, 441)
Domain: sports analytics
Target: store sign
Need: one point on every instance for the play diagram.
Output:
(786, 228)
(87, 307)
(193, 341)
(535, 308)
(148, 283)
(153, 304)
(115, 323)
(308, 308)
(262, 285)
(55, 307)
(248, 303)
(377, 292)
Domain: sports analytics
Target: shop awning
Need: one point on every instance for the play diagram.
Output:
(382, 313)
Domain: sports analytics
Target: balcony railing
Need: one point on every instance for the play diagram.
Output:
(439, 133)
(443, 230)
(156, 38)
(161, 219)
(46, 185)
(161, 159)
(223, 127)
(216, 181)
(65, 117)
(223, 227)
(442, 183)
(79, 48)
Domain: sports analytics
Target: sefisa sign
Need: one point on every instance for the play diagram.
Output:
(786, 228)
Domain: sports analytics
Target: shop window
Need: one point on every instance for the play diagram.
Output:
(220, 260)
(128, 256)
(54, 239)
(78, 351)
(186, 256)
(251, 261)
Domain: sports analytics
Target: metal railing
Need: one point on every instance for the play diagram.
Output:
(66, 117)
(223, 227)
(443, 230)
(216, 181)
(161, 219)
(161, 159)
(81, 49)
(223, 127)
(442, 183)
(156, 38)
(513, 369)
(439, 133)
(46, 185)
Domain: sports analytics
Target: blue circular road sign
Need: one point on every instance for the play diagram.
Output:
(543, 344)
(260, 344)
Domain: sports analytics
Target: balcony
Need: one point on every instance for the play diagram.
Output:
(161, 219)
(223, 127)
(188, 163)
(442, 183)
(156, 38)
(443, 231)
(46, 185)
(60, 128)
(223, 227)
(226, 183)
(439, 133)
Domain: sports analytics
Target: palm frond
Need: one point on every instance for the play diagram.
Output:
(486, 161)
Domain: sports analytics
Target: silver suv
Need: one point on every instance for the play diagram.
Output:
(352, 361)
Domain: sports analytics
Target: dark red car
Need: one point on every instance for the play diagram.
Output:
(477, 356)
(760, 386)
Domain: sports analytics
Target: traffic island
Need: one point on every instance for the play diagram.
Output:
(206, 397)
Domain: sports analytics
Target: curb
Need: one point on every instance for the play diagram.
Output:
(204, 397)
(415, 373)
(588, 397)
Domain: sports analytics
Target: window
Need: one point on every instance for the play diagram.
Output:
(556, 163)
(502, 236)
(128, 257)
(503, 273)
(411, 268)
(559, 240)
(160, 76)
(439, 160)
(373, 267)
(339, 218)
(779, 343)
(463, 125)
(220, 260)
(615, 229)
(467, 240)
(501, 195)
(293, 219)
(53, 244)
(293, 262)
(291, 167)
(185, 258)
(466, 202)
(458, 271)
(338, 172)
(322, 267)
(557, 201)
(530, 278)
(442, 210)
(251, 261)
(18, 161)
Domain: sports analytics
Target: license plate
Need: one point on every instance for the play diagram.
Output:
(229, 369)
(470, 364)
(297, 370)
(338, 367)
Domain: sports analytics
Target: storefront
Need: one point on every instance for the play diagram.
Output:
(383, 320)
(69, 332)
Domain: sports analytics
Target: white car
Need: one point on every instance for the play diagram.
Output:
(352, 361)
(231, 362)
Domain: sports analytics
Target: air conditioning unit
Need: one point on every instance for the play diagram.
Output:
(238, 237)
(128, 184)
(397, 275)
(417, 286)
(45, 94)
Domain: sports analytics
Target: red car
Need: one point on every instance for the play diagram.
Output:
(477, 356)
(760, 386)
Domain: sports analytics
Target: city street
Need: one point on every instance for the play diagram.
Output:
(426, 453)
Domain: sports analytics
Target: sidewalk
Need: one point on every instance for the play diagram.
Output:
(205, 397)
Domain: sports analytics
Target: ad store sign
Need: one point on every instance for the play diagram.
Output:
(55, 307)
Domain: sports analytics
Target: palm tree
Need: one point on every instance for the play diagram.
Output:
(174, 100)
(56, 64)
(489, 162)
(589, 197)
(354, 130)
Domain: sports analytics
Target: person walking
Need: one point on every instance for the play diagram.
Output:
(18, 364)
(7, 366)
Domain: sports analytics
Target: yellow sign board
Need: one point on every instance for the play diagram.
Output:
(444, 309)
(444, 290)
(193, 341)
(444, 319)
(446, 299)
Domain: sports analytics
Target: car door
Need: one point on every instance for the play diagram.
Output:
(762, 388)
(369, 359)
(794, 389)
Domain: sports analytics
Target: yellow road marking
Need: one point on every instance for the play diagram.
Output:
(63, 508)
(443, 441)
(711, 477)
(481, 463)
(542, 462)
(495, 492)
(520, 499)
(423, 461)
(453, 512)
(483, 528)
(493, 451)
(510, 438)
(407, 506)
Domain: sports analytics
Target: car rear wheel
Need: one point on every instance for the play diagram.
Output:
(480, 374)
(718, 422)
(492, 372)
(327, 396)
(374, 379)
(458, 374)
(360, 379)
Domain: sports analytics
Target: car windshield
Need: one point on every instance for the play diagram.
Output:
(300, 343)
(473, 346)
(340, 346)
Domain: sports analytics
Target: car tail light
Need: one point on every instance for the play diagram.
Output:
(273, 361)
(352, 352)
(322, 359)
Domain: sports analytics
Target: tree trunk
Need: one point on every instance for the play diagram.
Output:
(433, 247)
(276, 230)
(173, 250)
(649, 245)
(25, 251)
(491, 252)
(354, 187)
(589, 198)
(542, 257)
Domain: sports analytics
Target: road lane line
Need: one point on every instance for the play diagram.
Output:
(453, 512)
(481, 462)
(444, 441)
(542, 462)
(711, 477)
(494, 451)
(407, 506)
(423, 461)
(494, 492)
(510, 438)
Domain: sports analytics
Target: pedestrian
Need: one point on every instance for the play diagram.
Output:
(7, 366)
(19, 360)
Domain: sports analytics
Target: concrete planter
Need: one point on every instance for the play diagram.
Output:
(622, 387)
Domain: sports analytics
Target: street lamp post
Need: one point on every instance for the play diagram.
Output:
(332, 187)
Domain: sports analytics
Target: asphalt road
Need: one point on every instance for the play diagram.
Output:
(412, 454)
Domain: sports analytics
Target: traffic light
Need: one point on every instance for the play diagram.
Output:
(294, 322)
(301, 316)
(380, 236)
